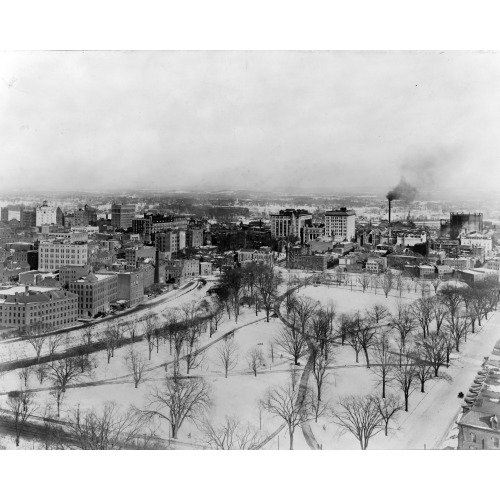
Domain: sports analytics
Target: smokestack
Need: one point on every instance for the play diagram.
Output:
(157, 266)
(390, 234)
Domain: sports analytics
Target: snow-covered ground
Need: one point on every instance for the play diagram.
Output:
(428, 423)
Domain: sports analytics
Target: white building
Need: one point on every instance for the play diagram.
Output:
(340, 224)
(493, 264)
(48, 215)
(289, 223)
(411, 239)
(54, 255)
(475, 240)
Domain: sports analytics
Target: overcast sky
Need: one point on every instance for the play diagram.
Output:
(296, 121)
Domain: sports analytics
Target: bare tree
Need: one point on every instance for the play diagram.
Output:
(321, 365)
(111, 337)
(37, 342)
(53, 343)
(271, 350)
(433, 350)
(422, 310)
(360, 416)
(64, 371)
(387, 282)
(136, 365)
(267, 283)
(87, 334)
(25, 375)
(255, 358)
(292, 342)
(285, 403)
(41, 372)
(179, 400)
(227, 354)
(384, 362)
(22, 405)
(439, 312)
(57, 395)
(131, 327)
(377, 313)
(150, 325)
(387, 408)
(193, 356)
(405, 376)
(404, 323)
(229, 435)
(435, 282)
(106, 430)
(364, 333)
(217, 312)
(423, 369)
(364, 280)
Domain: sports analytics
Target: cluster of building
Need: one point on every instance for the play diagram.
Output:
(478, 426)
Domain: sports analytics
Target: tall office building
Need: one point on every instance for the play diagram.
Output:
(49, 215)
(340, 224)
(122, 215)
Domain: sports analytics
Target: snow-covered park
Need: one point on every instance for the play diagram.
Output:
(240, 395)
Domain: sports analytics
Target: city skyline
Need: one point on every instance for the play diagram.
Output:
(271, 121)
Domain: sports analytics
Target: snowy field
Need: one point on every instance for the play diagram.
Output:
(427, 424)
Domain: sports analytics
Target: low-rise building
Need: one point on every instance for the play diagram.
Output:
(95, 293)
(131, 287)
(308, 262)
(67, 274)
(22, 307)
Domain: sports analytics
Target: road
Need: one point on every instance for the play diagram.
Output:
(428, 423)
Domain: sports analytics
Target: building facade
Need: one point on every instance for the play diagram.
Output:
(49, 215)
(131, 287)
(122, 216)
(54, 255)
(96, 293)
(340, 224)
(289, 222)
(53, 308)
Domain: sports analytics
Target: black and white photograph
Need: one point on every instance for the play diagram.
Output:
(252, 250)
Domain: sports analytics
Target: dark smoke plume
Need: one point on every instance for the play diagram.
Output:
(403, 191)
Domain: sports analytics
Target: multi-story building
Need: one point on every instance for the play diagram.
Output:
(313, 232)
(67, 274)
(179, 270)
(458, 263)
(478, 427)
(340, 224)
(171, 241)
(85, 217)
(406, 239)
(131, 287)
(49, 215)
(307, 262)
(263, 255)
(493, 264)
(122, 216)
(28, 218)
(465, 222)
(96, 293)
(133, 254)
(21, 307)
(205, 268)
(194, 238)
(476, 240)
(53, 255)
(289, 222)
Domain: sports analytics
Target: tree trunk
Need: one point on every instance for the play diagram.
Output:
(422, 384)
(357, 356)
(290, 431)
(406, 402)
(386, 427)
(366, 356)
(383, 386)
